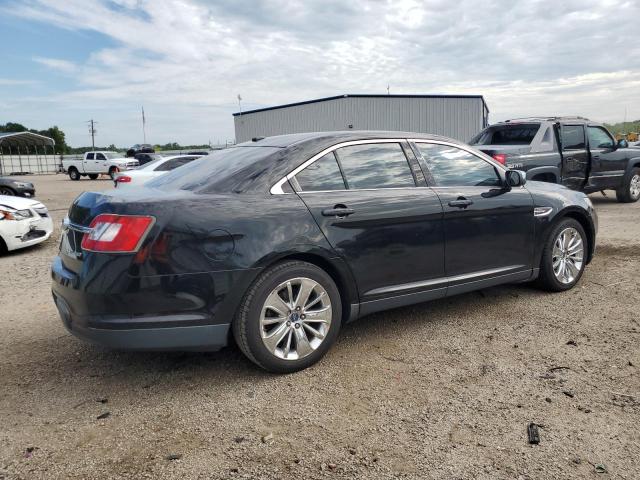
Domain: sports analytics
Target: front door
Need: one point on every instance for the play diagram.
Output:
(608, 163)
(365, 199)
(575, 157)
(489, 230)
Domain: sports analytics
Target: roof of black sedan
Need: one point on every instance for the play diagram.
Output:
(284, 141)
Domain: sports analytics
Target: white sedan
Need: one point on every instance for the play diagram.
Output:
(23, 222)
(151, 170)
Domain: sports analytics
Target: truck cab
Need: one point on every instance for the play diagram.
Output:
(572, 151)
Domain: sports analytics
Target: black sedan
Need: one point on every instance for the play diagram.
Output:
(279, 241)
(15, 187)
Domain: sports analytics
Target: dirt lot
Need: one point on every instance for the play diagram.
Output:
(439, 390)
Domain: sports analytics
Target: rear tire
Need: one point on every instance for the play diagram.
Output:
(3, 247)
(630, 190)
(564, 256)
(289, 317)
(93, 176)
(7, 191)
(74, 174)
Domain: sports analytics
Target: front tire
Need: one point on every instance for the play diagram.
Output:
(630, 190)
(289, 317)
(74, 174)
(564, 256)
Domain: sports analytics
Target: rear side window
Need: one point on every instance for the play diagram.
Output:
(599, 138)
(375, 165)
(454, 167)
(89, 156)
(323, 174)
(573, 137)
(517, 134)
(172, 164)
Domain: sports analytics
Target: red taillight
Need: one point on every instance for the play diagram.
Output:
(116, 233)
(500, 158)
(123, 179)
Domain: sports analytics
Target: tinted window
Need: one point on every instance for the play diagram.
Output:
(572, 137)
(599, 138)
(89, 156)
(454, 167)
(100, 156)
(212, 173)
(323, 174)
(508, 135)
(174, 163)
(375, 165)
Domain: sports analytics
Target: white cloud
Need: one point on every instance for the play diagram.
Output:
(186, 60)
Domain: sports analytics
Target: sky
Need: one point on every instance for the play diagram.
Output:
(186, 61)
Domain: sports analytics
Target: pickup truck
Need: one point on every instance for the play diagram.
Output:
(572, 151)
(93, 164)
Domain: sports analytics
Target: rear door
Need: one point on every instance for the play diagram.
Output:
(489, 231)
(88, 162)
(607, 162)
(575, 156)
(377, 213)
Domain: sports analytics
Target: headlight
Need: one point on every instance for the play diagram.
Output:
(15, 214)
(22, 185)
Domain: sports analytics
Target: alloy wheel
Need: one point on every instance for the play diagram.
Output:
(634, 186)
(295, 318)
(568, 255)
(6, 191)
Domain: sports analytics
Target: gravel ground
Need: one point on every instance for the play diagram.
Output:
(439, 390)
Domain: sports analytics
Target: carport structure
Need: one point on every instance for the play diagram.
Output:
(26, 152)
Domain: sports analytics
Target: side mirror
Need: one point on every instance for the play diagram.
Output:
(515, 178)
(622, 143)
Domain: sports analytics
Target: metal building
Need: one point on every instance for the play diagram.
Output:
(455, 116)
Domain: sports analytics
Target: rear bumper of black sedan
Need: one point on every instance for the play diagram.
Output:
(87, 316)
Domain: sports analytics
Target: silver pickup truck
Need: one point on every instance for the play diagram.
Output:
(93, 164)
(572, 151)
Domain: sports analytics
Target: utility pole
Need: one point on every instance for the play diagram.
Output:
(93, 132)
(240, 103)
(144, 130)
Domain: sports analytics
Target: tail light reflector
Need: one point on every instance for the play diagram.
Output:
(500, 158)
(123, 179)
(112, 233)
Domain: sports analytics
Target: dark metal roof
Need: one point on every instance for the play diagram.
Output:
(336, 97)
(24, 139)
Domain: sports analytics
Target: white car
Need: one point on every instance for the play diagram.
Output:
(148, 171)
(23, 222)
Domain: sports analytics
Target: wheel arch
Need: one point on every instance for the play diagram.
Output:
(583, 219)
(336, 268)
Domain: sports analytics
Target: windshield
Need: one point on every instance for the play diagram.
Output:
(515, 134)
(112, 155)
(213, 170)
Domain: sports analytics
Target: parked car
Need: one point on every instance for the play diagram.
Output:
(572, 151)
(140, 148)
(16, 187)
(137, 177)
(280, 241)
(144, 158)
(23, 222)
(93, 164)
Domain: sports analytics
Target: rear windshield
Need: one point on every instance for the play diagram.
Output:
(213, 171)
(520, 134)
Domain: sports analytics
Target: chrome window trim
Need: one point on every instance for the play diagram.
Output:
(277, 188)
(479, 154)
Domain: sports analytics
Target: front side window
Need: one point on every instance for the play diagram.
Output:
(454, 167)
(375, 165)
(323, 174)
(100, 156)
(573, 137)
(599, 138)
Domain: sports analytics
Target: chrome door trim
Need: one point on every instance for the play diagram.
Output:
(277, 188)
(446, 280)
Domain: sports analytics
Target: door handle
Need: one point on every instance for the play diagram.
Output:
(460, 202)
(337, 211)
